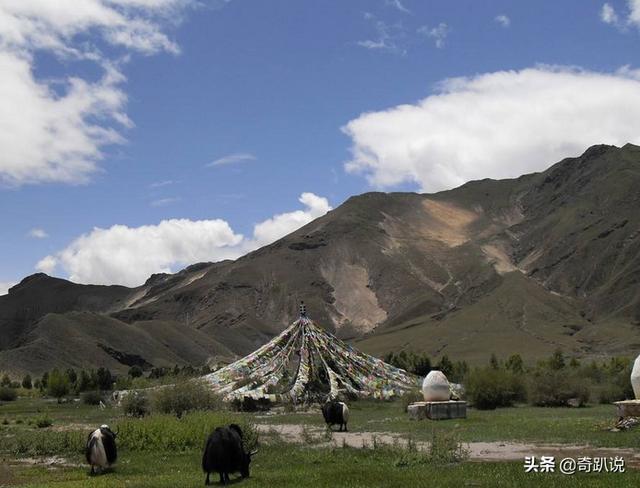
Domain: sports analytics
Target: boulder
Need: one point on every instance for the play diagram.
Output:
(435, 387)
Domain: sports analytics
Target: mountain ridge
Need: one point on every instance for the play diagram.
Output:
(402, 270)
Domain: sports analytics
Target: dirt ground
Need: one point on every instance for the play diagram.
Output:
(478, 451)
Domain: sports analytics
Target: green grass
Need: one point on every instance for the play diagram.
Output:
(162, 451)
(587, 425)
(289, 466)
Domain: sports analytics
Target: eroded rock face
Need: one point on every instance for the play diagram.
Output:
(435, 387)
(635, 378)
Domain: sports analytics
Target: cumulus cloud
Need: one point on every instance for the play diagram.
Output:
(37, 233)
(128, 255)
(232, 159)
(503, 20)
(495, 125)
(55, 130)
(631, 17)
(438, 34)
(280, 225)
(4, 287)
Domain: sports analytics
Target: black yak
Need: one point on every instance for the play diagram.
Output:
(101, 449)
(225, 454)
(335, 412)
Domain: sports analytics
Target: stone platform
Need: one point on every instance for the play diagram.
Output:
(628, 408)
(438, 410)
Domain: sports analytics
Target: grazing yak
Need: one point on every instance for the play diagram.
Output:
(101, 449)
(335, 412)
(224, 454)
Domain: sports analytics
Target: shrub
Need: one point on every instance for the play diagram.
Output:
(185, 397)
(26, 382)
(6, 381)
(135, 404)
(555, 387)
(7, 394)
(488, 388)
(410, 397)
(446, 448)
(167, 433)
(91, 397)
(58, 385)
(135, 371)
(42, 422)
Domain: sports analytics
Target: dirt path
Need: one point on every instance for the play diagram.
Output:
(478, 451)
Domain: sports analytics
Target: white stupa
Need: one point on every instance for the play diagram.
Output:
(435, 387)
(635, 378)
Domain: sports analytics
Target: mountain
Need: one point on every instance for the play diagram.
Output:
(523, 265)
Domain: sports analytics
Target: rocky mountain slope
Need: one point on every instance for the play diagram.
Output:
(524, 265)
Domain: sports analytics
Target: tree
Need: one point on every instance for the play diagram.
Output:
(58, 385)
(445, 365)
(104, 379)
(135, 371)
(6, 381)
(514, 364)
(557, 360)
(84, 382)
(493, 361)
(26, 382)
(72, 376)
(44, 382)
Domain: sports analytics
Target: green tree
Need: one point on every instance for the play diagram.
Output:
(26, 382)
(58, 385)
(493, 361)
(6, 381)
(44, 382)
(104, 379)
(135, 371)
(557, 360)
(72, 376)
(514, 364)
(445, 365)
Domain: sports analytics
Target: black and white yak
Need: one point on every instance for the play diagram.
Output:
(101, 451)
(335, 412)
(225, 454)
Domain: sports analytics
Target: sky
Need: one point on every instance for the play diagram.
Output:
(141, 136)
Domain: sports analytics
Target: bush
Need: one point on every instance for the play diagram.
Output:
(6, 381)
(41, 422)
(488, 388)
(410, 397)
(135, 371)
(446, 448)
(185, 397)
(555, 387)
(135, 404)
(26, 382)
(7, 394)
(91, 397)
(167, 433)
(58, 385)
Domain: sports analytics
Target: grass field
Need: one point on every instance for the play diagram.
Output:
(161, 451)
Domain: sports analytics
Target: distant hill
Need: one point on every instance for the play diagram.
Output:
(523, 265)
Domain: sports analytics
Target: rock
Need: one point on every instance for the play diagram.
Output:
(435, 387)
(635, 378)
(574, 402)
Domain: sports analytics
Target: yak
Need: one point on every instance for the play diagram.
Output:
(224, 454)
(101, 451)
(335, 412)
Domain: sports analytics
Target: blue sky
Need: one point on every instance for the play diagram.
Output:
(298, 96)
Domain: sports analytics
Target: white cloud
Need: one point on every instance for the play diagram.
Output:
(608, 15)
(503, 20)
(129, 255)
(397, 4)
(47, 264)
(37, 233)
(495, 125)
(232, 159)
(163, 202)
(280, 225)
(4, 287)
(438, 34)
(160, 184)
(388, 36)
(55, 130)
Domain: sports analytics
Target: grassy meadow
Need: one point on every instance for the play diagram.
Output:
(164, 451)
